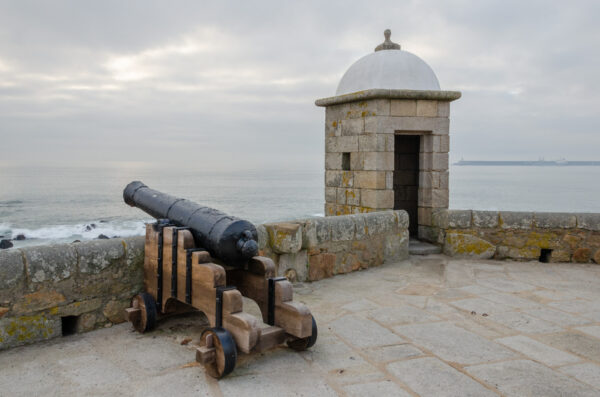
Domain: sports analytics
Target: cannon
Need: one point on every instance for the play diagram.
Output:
(228, 238)
(199, 258)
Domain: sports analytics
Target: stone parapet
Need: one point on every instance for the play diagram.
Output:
(545, 236)
(87, 285)
(338, 244)
(46, 291)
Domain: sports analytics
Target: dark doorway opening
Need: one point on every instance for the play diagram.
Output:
(545, 255)
(406, 177)
(69, 325)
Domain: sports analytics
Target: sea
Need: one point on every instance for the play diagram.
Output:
(64, 204)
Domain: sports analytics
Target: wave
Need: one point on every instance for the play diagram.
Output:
(82, 231)
(10, 203)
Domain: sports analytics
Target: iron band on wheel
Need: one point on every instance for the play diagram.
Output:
(225, 351)
(145, 319)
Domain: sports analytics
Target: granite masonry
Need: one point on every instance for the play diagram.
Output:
(387, 149)
(54, 290)
(543, 236)
(49, 291)
(317, 248)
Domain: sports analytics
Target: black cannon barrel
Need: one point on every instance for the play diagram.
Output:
(228, 238)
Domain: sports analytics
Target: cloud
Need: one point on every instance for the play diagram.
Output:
(233, 84)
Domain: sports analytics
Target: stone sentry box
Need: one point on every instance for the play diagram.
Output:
(387, 138)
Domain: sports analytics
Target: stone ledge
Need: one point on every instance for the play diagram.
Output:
(516, 220)
(447, 96)
(12, 273)
(340, 244)
(565, 237)
(459, 219)
(588, 221)
(93, 280)
(554, 220)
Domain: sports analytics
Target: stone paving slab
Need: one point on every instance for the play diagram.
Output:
(594, 316)
(454, 344)
(386, 354)
(402, 329)
(361, 333)
(538, 351)
(588, 373)
(593, 330)
(429, 376)
(576, 343)
(527, 378)
(380, 389)
(576, 306)
(401, 315)
(504, 285)
(557, 316)
(480, 305)
(510, 300)
(525, 323)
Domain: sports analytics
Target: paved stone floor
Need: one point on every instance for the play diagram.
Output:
(430, 326)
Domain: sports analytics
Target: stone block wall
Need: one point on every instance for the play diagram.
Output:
(316, 248)
(552, 237)
(81, 286)
(360, 159)
(47, 290)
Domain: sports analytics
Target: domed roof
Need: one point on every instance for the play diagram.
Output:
(388, 68)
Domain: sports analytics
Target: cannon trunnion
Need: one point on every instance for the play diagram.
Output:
(198, 257)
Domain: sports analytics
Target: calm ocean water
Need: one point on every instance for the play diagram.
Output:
(58, 204)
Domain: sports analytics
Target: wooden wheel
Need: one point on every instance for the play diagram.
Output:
(217, 352)
(301, 344)
(144, 307)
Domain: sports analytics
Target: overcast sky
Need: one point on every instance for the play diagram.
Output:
(229, 85)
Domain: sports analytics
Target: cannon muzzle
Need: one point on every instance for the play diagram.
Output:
(227, 238)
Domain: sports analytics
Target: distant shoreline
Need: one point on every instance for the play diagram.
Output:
(539, 163)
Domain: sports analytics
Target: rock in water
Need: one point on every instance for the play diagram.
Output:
(20, 237)
(102, 237)
(4, 244)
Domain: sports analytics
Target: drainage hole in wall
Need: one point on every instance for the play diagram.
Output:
(545, 255)
(69, 325)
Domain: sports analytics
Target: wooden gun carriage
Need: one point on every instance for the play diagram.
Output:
(206, 260)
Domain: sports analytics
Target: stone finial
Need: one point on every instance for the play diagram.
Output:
(387, 44)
